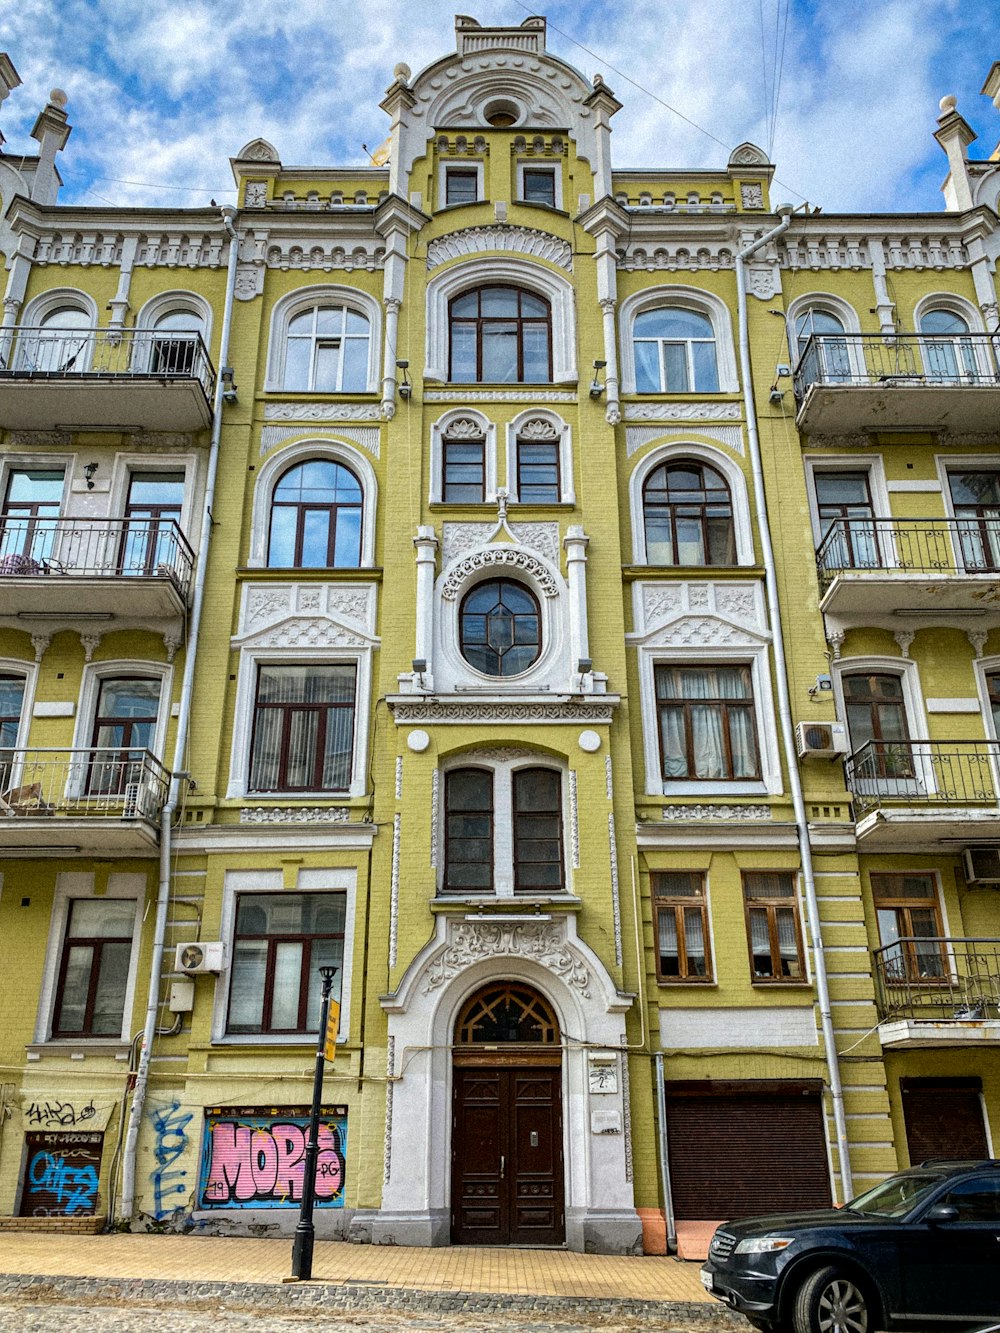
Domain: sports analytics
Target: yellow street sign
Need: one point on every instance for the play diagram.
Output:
(332, 1028)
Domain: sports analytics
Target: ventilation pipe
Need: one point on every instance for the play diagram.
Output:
(180, 747)
(784, 707)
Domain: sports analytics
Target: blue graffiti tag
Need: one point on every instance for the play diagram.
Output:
(171, 1141)
(75, 1188)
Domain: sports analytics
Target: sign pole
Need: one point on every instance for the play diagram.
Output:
(305, 1232)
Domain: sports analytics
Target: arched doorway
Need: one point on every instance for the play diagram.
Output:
(507, 1150)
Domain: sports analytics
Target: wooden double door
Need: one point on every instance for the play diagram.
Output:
(507, 1161)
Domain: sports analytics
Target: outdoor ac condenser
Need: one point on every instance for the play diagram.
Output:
(821, 740)
(196, 958)
(982, 865)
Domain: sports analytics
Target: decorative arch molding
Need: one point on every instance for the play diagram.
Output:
(531, 274)
(541, 424)
(704, 453)
(40, 307)
(28, 672)
(827, 302)
(293, 303)
(277, 463)
(467, 424)
(685, 298)
(165, 303)
(952, 302)
(258, 150)
(748, 155)
(498, 559)
(516, 240)
(422, 1011)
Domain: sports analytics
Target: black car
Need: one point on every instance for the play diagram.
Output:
(921, 1249)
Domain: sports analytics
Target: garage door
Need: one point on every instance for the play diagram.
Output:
(944, 1118)
(741, 1148)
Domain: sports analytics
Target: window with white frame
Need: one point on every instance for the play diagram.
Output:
(13, 685)
(674, 351)
(949, 353)
(316, 517)
(539, 184)
(461, 185)
(975, 502)
(707, 722)
(327, 350)
(60, 344)
(831, 358)
(463, 459)
(503, 830)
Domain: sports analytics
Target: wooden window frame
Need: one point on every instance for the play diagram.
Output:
(288, 709)
(521, 468)
(332, 509)
(903, 906)
(772, 905)
(704, 506)
(517, 816)
(96, 944)
(663, 902)
(886, 760)
(489, 811)
(479, 320)
(685, 705)
(307, 939)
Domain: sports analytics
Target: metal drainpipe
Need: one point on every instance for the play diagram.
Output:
(784, 707)
(180, 747)
(661, 1120)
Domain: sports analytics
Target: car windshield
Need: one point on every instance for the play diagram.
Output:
(896, 1196)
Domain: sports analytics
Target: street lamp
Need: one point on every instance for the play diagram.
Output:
(305, 1232)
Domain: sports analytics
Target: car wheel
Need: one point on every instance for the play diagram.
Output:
(831, 1302)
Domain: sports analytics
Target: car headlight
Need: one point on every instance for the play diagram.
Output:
(763, 1244)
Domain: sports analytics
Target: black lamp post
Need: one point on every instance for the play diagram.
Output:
(305, 1232)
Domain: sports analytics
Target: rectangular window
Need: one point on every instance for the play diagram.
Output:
(464, 480)
(280, 942)
(537, 473)
(773, 926)
(539, 185)
(538, 855)
(909, 922)
(468, 816)
(461, 186)
(303, 728)
(30, 519)
(11, 701)
(93, 971)
(680, 913)
(708, 730)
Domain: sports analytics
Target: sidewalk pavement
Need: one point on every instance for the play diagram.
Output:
(192, 1268)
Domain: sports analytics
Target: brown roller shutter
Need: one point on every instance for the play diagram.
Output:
(737, 1149)
(943, 1118)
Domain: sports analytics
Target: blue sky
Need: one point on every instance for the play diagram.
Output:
(162, 93)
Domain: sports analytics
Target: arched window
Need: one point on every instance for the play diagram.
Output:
(499, 627)
(500, 335)
(688, 515)
(506, 1011)
(830, 353)
(674, 351)
(174, 342)
(60, 344)
(949, 352)
(326, 351)
(316, 518)
(11, 705)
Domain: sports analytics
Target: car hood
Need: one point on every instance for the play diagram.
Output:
(790, 1223)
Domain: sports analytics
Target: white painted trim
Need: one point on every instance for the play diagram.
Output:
(40, 307)
(533, 275)
(246, 690)
(312, 879)
(953, 705)
(167, 303)
(460, 164)
(304, 298)
(287, 456)
(28, 671)
(80, 884)
(533, 164)
(93, 674)
(913, 487)
(439, 433)
(877, 487)
(18, 462)
(688, 298)
(954, 304)
(567, 493)
(830, 305)
(676, 451)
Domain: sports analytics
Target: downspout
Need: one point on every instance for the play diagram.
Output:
(661, 1124)
(784, 707)
(180, 747)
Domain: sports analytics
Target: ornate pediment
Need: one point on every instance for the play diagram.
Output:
(700, 614)
(513, 240)
(307, 615)
(502, 558)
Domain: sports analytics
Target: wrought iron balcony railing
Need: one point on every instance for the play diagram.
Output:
(102, 548)
(101, 782)
(897, 774)
(31, 352)
(875, 359)
(937, 546)
(937, 979)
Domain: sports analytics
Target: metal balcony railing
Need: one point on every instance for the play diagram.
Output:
(938, 979)
(924, 774)
(104, 548)
(875, 359)
(101, 782)
(938, 546)
(30, 352)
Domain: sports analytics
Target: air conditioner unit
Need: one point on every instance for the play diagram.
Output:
(821, 740)
(195, 958)
(982, 865)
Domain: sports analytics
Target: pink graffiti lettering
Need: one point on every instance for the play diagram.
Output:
(261, 1165)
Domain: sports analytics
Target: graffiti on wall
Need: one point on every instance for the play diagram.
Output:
(170, 1127)
(64, 1114)
(254, 1158)
(61, 1176)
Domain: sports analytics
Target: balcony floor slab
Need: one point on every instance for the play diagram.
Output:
(909, 1034)
(908, 829)
(103, 402)
(111, 595)
(26, 836)
(898, 404)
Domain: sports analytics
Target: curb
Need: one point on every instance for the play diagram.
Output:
(353, 1296)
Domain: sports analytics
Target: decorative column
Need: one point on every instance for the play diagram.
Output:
(396, 221)
(575, 543)
(607, 222)
(426, 544)
(603, 103)
(119, 302)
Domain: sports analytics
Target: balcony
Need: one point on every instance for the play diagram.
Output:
(104, 379)
(889, 566)
(919, 795)
(135, 567)
(851, 382)
(95, 801)
(933, 992)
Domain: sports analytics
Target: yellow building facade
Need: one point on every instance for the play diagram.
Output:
(560, 599)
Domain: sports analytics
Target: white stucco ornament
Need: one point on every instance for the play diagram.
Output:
(589, 741)
(418, 741)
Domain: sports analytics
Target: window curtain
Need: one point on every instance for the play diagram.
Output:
(707, 722)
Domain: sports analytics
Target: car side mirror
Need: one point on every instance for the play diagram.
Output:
(941, 1212)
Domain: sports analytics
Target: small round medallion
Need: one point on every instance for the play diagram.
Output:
(418, 741)
(590, 741)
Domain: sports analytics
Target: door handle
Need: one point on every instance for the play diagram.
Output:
(502, 1162)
